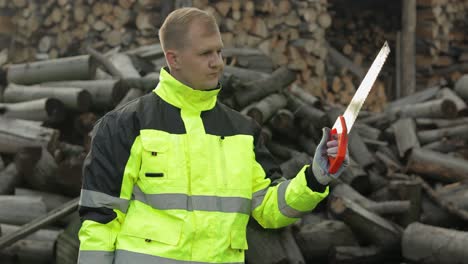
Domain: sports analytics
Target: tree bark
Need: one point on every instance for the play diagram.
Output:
(264, 245)
(8, 179)
(105, 94)
(368, 226)
(420, 241)
(443, 108)
(17, 134)
(258, 89)
(317, 239)
(19, 210)
(405, 135)
(73, 98)
(441, 167)
(45, 109)
(461, 87)
(457, 132)
(71, 68)
(265, 108)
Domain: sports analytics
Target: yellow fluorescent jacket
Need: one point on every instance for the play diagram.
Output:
(173, 177)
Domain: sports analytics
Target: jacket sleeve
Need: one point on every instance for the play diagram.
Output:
(109, 173)
(275, 206)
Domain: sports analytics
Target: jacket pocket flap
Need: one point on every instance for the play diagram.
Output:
(154, 140)
(239, 239)
(164, 229)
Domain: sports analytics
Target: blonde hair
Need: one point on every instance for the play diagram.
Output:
(177, 23)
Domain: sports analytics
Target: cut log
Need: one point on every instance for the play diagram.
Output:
(419, 242)
(456, 194)
(291, 167)
(71, 68)
(264, 109)
(408, 190)
(281, 151)
(105, 63)
(418, 97)
(291, 248)
(282, 123)
(51, 200)
(8, 179)
(19, 210)
(245, 75)
(47, 110)
(359, 151)
(305, 96)
(278, 80)
(317, 239)
(368, 226)
(105, 94)
(133, 93)
(438, 166)
(357, 255)
(307, 112)
(457, 132)
(67, 246)
(40, 235)
(124, 65)
(17, 134)
(435, 108)
(440, 123)
(73, 98)
(39, 222)
(405, 135)
(32, 251)
(451, 95)
(461, 87)
(356, 177)
(268, 248)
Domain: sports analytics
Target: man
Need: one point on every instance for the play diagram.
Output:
(173, 176)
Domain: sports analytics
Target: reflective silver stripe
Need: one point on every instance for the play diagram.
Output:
(181, 201)
(98, 199)
(94, 256)
(284, 208)
(128, 257)
(258, 197)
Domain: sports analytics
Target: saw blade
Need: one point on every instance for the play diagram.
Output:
(360, 96)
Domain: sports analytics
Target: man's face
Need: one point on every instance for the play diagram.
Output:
(200, 63)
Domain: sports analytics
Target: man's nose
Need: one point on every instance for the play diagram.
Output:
(216, 60)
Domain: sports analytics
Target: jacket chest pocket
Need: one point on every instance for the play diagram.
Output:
(236, 157)
(156, 155)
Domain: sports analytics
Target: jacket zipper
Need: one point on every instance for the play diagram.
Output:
(223, 161)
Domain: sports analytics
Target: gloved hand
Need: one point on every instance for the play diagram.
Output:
(320, 163)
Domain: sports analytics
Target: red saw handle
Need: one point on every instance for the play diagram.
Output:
(335, 163)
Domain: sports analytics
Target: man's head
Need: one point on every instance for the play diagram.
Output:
(192, 45)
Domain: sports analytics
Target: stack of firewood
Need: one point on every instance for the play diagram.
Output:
(57, 28)
(290, 33)
(409, 161)
(357, 33)
(441, 33)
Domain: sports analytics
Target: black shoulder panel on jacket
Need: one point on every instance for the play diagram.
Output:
(112, 139)
(156, 113)
(224, 121)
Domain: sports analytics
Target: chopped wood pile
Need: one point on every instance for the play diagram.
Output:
(290, 33)
(356, 33)
(442, 49)
(407, 177)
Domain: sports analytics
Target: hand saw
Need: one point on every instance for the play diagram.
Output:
(345, 122)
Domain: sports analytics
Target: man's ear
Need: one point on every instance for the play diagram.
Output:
(172, 58)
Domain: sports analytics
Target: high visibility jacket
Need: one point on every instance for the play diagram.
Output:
(174, 176)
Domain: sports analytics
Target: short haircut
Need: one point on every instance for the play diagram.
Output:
(177, 24)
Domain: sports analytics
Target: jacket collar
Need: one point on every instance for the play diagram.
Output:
(182, 96)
